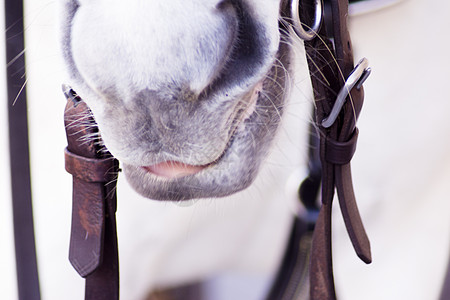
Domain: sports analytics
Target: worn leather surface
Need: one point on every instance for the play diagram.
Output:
(93, 242)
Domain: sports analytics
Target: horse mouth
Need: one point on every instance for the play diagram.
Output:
(176, 169)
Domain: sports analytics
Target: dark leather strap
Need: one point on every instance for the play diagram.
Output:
(93, 241)
(292, 280)
(330, 61)
(341, 153)
(445, 293)
(24, 241)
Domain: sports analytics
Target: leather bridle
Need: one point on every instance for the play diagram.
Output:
(93, 245)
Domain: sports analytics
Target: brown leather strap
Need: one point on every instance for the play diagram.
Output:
(330, 61)
(93, 241)
(341, 153)
(89, 169)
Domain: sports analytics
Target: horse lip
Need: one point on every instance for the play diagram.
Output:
(173, 169)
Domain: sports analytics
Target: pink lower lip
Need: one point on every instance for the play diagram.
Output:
(173, 169)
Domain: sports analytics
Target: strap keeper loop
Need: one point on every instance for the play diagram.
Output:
(341, 153)
(90, 169)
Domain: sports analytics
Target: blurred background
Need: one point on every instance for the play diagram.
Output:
(401, 169)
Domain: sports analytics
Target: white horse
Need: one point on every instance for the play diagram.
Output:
(189, 95)
(190, 107)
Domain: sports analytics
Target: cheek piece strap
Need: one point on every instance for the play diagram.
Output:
(338, 99)
(93, 241)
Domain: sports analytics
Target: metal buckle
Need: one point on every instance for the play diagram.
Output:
(356, 78)
(306, 35)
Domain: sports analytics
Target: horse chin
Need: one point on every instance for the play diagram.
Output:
(176, 181)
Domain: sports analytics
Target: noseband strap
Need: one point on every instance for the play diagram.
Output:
(338, 95)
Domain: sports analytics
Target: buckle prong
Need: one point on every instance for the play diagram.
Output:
(356, 79)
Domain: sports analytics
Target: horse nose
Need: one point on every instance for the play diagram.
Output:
(136, 52)
(192, 51)
(213, 40)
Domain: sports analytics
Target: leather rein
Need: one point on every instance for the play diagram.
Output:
(338, 95)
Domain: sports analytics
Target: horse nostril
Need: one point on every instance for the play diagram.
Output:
(247, 54)
(223, 4)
